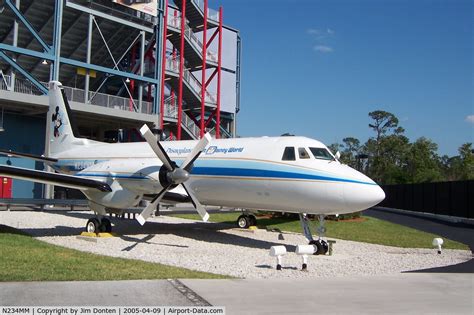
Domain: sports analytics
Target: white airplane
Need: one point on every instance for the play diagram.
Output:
(286, 174)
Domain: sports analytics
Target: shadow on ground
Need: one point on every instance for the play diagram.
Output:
(130, 231)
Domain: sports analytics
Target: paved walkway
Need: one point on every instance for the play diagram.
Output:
(460, 232)
(396, 294)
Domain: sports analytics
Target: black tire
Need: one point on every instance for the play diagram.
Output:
(319, 248)
(105, 225)
(93, 226)
(243, 222)
(324, 246)
(252, 220)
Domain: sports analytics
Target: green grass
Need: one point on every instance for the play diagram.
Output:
(370, 230)
(23, 258)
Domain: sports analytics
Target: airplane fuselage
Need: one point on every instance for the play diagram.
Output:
(249, 173)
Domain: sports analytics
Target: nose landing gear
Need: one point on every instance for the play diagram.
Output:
(321, 247)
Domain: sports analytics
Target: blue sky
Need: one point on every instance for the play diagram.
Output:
(317, 68)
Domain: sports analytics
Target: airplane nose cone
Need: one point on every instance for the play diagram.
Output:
(362, 196)
(378, 195)
(362, 193)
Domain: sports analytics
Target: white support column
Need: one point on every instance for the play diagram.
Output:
(58, 20)
(88, 59)
(15, 44)
(142, 70)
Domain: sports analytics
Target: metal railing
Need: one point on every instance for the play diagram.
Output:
(175, 22)
(21, 85)
(100, 99)
(211, 14)
(24, 86)
(109, 101)
(173, 66)
(171, 109)
(189, 124)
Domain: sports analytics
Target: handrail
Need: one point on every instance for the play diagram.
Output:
(175, 22)
(24, 86)
(211, 14)
(110, 101)
(173, 66)
(171, 111)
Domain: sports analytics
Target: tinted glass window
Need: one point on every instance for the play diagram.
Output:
(289, 154)
(303, 153)
(322, 154)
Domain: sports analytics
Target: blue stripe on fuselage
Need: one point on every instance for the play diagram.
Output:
(226, 168)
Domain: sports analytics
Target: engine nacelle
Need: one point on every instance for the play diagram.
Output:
(119, 197)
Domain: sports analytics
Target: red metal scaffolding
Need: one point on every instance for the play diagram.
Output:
(202, 122)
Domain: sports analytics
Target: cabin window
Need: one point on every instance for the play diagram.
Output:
(303, 153)
(322, 154)
(289, 154)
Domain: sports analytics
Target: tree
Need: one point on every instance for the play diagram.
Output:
(423, 163)
(350, 151)
(388, 150)
(383, 123)
(334, 147)
(462, 167)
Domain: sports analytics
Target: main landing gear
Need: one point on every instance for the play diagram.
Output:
(99, 225)
(321, 247)
(246, 220)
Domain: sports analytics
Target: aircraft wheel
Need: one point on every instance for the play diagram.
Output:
(105, 225)
(319, 247)
(93, 226)
(253, 220)
(324, 246)
(243, 221)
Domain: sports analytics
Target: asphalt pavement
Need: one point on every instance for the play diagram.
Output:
(393, 294)
(460, 232)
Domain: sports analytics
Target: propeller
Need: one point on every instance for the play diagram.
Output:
(171, 175)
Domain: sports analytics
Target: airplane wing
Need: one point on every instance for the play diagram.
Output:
(69, 181)
(28, 156)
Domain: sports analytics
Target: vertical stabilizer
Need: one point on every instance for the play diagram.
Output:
(60, 129)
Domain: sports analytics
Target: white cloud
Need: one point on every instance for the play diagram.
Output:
(321, 37)
(313, 31)
(323, 49)
(470, 119)
(319, 34)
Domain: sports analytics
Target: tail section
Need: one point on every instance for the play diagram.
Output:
(60, 129)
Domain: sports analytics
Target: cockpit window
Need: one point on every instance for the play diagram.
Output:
(289, 154)
(322, 154)
(303, 153)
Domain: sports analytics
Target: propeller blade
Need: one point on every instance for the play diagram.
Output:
(156, 147)
(197, 150)
(146, 213)
(199, 208)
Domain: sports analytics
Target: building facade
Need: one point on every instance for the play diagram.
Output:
(122, 64)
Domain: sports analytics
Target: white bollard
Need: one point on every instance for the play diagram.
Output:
(304, 251)
(278, 252)
(437, 242)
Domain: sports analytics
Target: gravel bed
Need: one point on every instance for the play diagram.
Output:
(222, 249)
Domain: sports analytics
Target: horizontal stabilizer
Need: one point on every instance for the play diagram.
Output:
(28, 156)
(69, 181)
